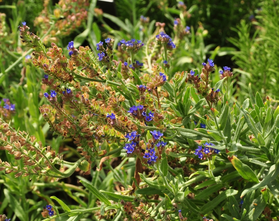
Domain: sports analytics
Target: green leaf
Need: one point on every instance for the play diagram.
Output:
(15, 205)
(223, 117)
(204, 184)
(194, 95)
(245, 171)
(76, 218)
(259, 100)
(218, 85)
(164, 165)
(62, 204)
(80, 38)
(94, 191)
(118, 196)
(96, 32)
(272, 174)
(197, 106)
(117, 21)
(150, 191)
(210, 206)
(169, 88)
(259, 205)
(208, 191)
(228, 129)
(229, 218)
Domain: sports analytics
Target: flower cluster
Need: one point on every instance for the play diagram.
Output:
(164, 39)
(71, 48)
(163, 76)
(226, 73)
(8, 106)
(101, 56)
(207, 150)
(156, 134)
(139, 112)
(48, 211)
(133, 137)
(150, 155)
(144, 20)
(131, 46)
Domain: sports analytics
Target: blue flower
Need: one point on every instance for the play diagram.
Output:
(46, 95)
(27, 56)
(100, 44)
(129, 148)
(216, 151)
(7, 220)
(125, 63)
(226, 68)
(187, 28)
(164, 76)
(139, 64)
(161, 143)
(53, 93)
(210, 61)
(23, 23)
(107, 40)
(50, 213)
(68, 90)
(70, 53)
(70, 45)
(12, 107)
(179, 210)
(45, 76)
(206, 150)
(49, 207)
(142, 87)
(204, 64)
(181, 3)
(165, 62)
(132, 135)
(156, 134)
(111, 116)
(218, 90)
(147, 155)
(202, 125)
(101, 56)
(221, 71)
(175, 22)
(200, 155)
(192, 73)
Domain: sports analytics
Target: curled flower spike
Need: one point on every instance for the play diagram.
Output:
(165, 39)
(163, 76)
(70, 48)
(101, 56)
(150, 156)
(99, 45)
(226, 73)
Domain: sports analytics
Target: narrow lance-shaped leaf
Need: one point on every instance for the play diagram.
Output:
(245, 171)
